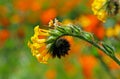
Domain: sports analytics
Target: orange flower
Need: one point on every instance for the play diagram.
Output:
(22, 5)
(21, 33)
(35, 6)
(90, 23)
(50, 74)
(87, 63)
(75, 47)
(70, 69)
(4, 22)
(48, 15)
(69, 5)
(99, 32)
(16, 19)
(4, 35)
(4, 10)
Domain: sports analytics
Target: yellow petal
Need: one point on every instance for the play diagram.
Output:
(37, 40)
(42, 33)
(35, 52)
(43, 53)
(40, 41)
(34, 38)
(39, 57)
(43, 30)
(45, 58)
(42, 56)
(36, 29)
(36, 45)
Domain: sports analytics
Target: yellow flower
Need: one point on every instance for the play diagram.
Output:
(99, 9)
(46, 43)
(38, 45)
(104, 8)
(113, 31)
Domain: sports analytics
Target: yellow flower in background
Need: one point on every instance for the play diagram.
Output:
(38, 45)
(104, 8)
(113, 31)
(98, 8)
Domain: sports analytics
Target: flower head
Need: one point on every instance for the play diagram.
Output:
(45, 43)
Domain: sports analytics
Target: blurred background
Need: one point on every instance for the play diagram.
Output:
(19, 17)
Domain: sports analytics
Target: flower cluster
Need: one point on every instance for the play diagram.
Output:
(46, 43)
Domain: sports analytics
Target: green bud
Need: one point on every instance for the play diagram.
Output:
(87, 35)
(67, 29)
(109, 48)
(61, 29)
(55, 33)
(75, 30)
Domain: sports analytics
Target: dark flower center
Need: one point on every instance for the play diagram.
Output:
(60, 48)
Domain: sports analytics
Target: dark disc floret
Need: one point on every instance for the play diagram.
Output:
(60, 48)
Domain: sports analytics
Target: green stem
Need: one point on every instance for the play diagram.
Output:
(115, 59)
(99, 47)
(88, 37)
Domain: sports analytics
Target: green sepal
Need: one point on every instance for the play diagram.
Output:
(55, 33)
(51, 39)
(75, 29)
(61, 29)
(67, 29)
